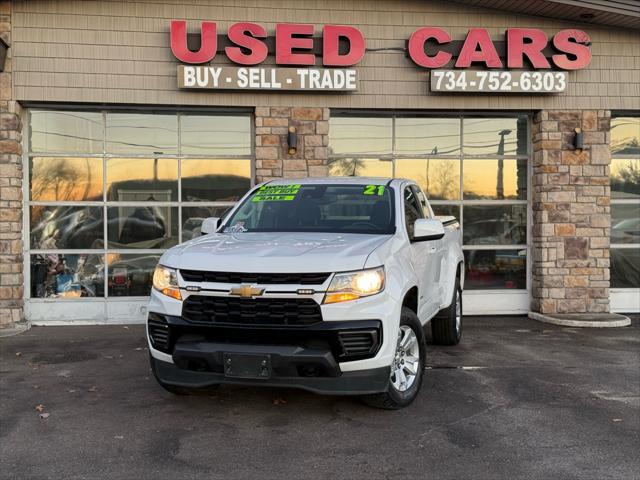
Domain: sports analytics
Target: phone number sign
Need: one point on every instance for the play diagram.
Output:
(498, 81)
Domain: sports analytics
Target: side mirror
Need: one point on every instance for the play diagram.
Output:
(210, 225)
(425, 229)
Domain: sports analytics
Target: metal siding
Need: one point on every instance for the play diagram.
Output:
(118, 52)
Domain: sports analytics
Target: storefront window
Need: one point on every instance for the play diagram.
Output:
(473, 168)
(110, 191)
(625, 202)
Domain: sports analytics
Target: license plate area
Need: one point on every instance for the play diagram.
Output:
(247, 365)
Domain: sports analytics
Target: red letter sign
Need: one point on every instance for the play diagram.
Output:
(331, 35)
(286, 42)
(416, 47)
(517, 48)
(239, 34)
(567, 41)
(208, 45)
(478, 37)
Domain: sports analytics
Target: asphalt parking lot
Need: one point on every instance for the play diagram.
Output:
(517, 399)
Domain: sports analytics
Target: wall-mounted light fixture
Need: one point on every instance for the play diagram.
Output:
(292, 141)
(578, 140)
(4, 46)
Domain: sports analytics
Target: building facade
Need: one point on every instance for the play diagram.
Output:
(124, 124)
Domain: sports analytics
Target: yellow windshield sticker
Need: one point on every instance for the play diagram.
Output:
(276, 193)
(374, 190)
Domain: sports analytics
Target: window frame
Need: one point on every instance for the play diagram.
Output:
(106, 204)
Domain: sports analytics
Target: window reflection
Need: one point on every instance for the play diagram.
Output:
(436, 136)
(495, 179)
(66, 227)
(131, 275)
(625, 136)
(440, 179)
(446, 211)
(360, 167)
(142, 226)
(220, 135)
(55, 275)
(625, 223)
(217, 180)
(66, 132)
(139, 133)
(360, 135)
(495, 269)
(192, 218)
(495, 224)
(625, 178)
(495, 136)
(625, 267)
(142, 179)
(65, 179)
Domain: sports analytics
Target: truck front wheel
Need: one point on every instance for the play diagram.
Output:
(407, 368)
(446, 327)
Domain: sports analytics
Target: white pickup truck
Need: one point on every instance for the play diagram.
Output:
(324, 284)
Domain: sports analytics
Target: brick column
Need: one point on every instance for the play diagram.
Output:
(571, 217)
(271, 129)
(11, 278)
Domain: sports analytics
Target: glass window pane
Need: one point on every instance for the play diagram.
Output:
(360, 167)
(66, 132)
(215, 180)
(625, 223)
(446, 211)
(142, 179)
(192, 218)
(56, 275)
(495, 136)
(437, 136)
(439, 179)
(360, 135)
(130, 275)
(495, 225)
(625, 136)
(142, 227)
(215, 135)
(140, 133)
(625, 267)
(58, 227)
(495, 269)
(65, 179)
(625, 178)
(494, 179)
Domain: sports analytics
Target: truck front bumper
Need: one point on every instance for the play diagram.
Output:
(307, 357)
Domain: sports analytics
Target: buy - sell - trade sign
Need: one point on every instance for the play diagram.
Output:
(526, 61)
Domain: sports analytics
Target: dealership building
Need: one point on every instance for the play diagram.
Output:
(124, 124)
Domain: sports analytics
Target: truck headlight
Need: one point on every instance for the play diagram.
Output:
(165, 280)
(354, 285)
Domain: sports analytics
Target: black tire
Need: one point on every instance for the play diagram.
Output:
(394, 399)
(168, 387)
(445, 329)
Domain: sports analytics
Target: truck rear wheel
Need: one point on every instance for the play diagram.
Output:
(407, 368)
(446, 327)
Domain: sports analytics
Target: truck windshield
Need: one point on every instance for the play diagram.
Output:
(365, 209)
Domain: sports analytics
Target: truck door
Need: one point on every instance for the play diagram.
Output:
(423, 256)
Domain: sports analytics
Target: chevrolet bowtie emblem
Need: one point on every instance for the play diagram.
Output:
(246, 291)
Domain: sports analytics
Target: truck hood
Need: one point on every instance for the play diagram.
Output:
(274, 252)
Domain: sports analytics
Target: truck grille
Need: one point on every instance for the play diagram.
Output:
(247, 311)
(254, 278)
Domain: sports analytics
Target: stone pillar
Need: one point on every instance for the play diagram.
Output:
(272, 157)
(571, 217)
(11, 277)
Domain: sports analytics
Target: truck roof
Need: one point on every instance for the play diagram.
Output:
(336, 180)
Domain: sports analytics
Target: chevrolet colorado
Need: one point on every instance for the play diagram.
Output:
(324, 284)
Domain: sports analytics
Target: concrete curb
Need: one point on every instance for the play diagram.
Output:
(15, 330)
(588, 320)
